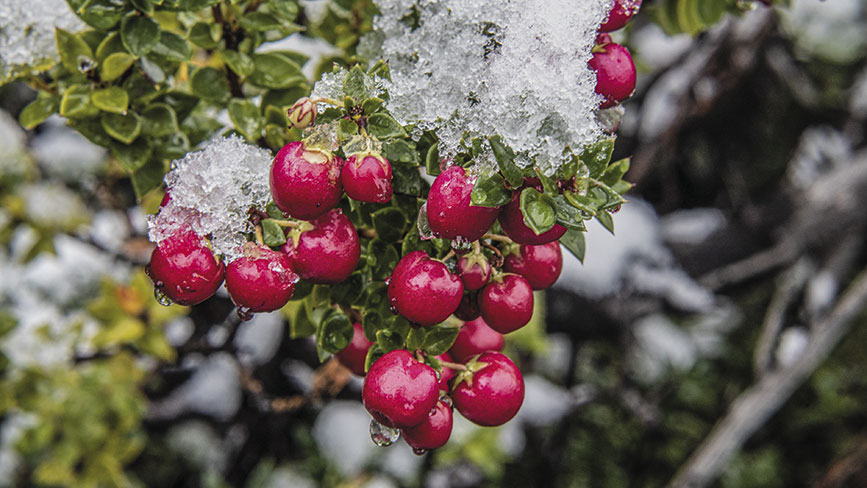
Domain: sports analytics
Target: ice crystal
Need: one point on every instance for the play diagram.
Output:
(212, 190)
(27, 33)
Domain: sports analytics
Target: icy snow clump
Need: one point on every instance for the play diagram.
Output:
(27, 32)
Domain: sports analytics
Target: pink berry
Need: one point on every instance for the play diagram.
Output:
(540, 265)
(475, 271)
(507, 303)
(446, 374)
(185, 269)
(305, 182)
(615, 73)
(423, 290)
(327, 249)
(261, 280)
(475, 337)
(469, 307)
(512, 221)
(449, 209)
(400, 391)
(433, 432)
(619, 15)
(367, 178)
(493, 393)
(354, 355)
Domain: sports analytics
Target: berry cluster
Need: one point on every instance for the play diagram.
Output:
(615, 70)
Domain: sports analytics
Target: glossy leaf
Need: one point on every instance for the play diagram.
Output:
(173, 47)
(76, 103)
(596, 157)
(439, 339)
(272, 233)
(238, 62)
(205, 35)
(210, 84)
(506, 161)
(37, 111)
(112, 99)
(115, 65)
(124, 128)
(246, 118)
(139, 34)
(275, 71)
(573, 240)
(539, 214)
(384, 126)
(159, 119)
(353, 84)
(390, 224)
(490, 191)
(615, 172)
(72, 49)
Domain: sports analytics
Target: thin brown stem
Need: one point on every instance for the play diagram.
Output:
(451, 365)
(260, 239)
(497, 237)
(448, 256)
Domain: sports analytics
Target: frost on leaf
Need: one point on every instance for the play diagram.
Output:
(487, 67)
(212, 191)
(27, 33)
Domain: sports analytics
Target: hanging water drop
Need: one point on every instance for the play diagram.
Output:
(382, 435)
(245, 314)
(162, 298)
(419, 451)
(461, 245)
(447, 400)
(424, 231)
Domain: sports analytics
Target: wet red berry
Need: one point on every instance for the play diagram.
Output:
(540, 265)
(507, 303)
(367, 178)
(475, 271)
(423, 290)
(619, 15)
(492, 392)
(446, 374)
(327, 249)
(261, 280)
(434, 431)
(185, 269)
(469, 307)
(354, 355)
(512, 221)
(400, 391)
(449, 211)
(615, 73)
(305, 182)
(475, 337)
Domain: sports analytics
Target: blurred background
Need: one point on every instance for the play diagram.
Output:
(718, 339)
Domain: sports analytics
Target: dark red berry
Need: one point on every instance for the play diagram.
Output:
(469, 307)
(423, 290)
(540, 265)
(619, 15)
(367, 178)
(326, 250)
(261, 280)
(475, 271)
(475, 337)
(354, 355)
(603, 38)
(506, 303)
(400, 391)
(446, 374)
(449, 209)
(166, 199)
(434, 431)
(615, 73)
(185, 269)
(512, 221)
(305, 182)
(491, 392)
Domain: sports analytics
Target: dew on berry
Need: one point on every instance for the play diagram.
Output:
(447, 400)
(461, 245)
(161, 297)
(245, 314)
(424, 231)
(419, 451)
(382, 435)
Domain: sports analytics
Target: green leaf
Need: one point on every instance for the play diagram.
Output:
(506, 161)
(100, 14)
(37, 111)
(432, 160)
(380, 69)
(110, 45)
(384, 126)
(275, 71)
(371, 105)
(115, 65)
(148, 177)
(389, 340)
(335, 333)
(371, 322)
(439, 339)
(124, 128)
(76, 103)
(210, 84)
(416, 338)
(145, 6)
(276, 116)
(606, 220)
(238, 62)
(346, 129)
(172, 146)
(573, 240)
(353, 84)
(567, 215)
(245, 116)
(205, 35)
(158, 120)
(490, 191)
(539, 214)
(375, 352)
(389, 224)
(386, 258)
(272, 233)
(286, 10)
(596, 157)
(275, 136)
(260, 21)
(139, 34)
(405, 180)
(615, 172)
(581, 202)
(400, 151)
(173, 47)
(72, 49)
(347, 291)
(112, 99)
(329, 115)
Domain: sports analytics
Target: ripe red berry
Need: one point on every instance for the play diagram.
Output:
(619, 15)
(354, 355)
(475, 271)
(327, 249)
(469, 307)
(423, 290)
(449, 209)
(512, 221)
(475, 337)
(615, 73)
(491, 392)
(399, 391)
(167, 198)
(446, 374)
(367, 178)
(305, 182)
(433, 432)
(261, 280)
(540, 265)
(185, 269)
(507, 303)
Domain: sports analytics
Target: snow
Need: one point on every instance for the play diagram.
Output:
(793, 342)
(314, 47)
(27, 32)
(661, 345)
(258, 339)
(656, 49)
(53, 205)
(829, 29)
(109, 229)
(691, 226)
(214, 390)
(821, 292)
(65, 154)
(820, 150)
(199, 444)
(341, 433)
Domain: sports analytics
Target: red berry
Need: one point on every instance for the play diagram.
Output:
(469, 307)
(166, 199)
(261, 280)
(449, 211)
(615, 73)
(619, 15)
(603, 38)
(446, 374)
(354, 355)
(492, 392)
(512, 221)
(326, 250)
(423, 290)
(305, 182)
(475, 271)
(475, 337)
(184, 269)
(434, 431)
(540, 265)
(399, 391)
(367, 178)
(507, 303)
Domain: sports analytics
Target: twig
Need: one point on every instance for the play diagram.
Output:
(751, 267)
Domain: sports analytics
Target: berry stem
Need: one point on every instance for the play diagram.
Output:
(455, 366)
(260, 239)
(477, 247)
(498, 256)
(448, 256)
(329, 101)
(497, 237)
(286, 223)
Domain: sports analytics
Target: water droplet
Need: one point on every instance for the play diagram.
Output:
(244, 314)
(424, 231)
(382, 435)
(461, 246)
(447, 400)
(419, 451)
(162, 298)
(388, 280)
(393, 309)
(147, 269)
(439, 376)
